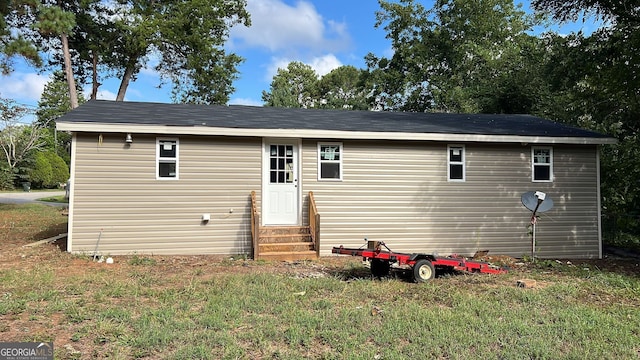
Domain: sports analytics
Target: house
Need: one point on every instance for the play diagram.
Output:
(197, 179)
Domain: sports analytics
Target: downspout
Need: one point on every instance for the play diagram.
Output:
(599, 202)
(72, 191)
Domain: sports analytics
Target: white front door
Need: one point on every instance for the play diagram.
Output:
(280, 200)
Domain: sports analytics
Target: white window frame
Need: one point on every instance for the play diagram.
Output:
(321, 161)
(534, 164)
(461, 162)
(160, 159)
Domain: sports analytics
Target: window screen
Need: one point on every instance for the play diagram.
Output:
(167, 159)
(456, 171)
(542, 164)
(329, 161)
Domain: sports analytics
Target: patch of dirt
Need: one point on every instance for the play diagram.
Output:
(499, 260)
(14, 255)
(610, 263)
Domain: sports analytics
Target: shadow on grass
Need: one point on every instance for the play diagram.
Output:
(50, 231)
(25, 223)
(59, 199)
(351, 273)
(625, 264)
(61, 243)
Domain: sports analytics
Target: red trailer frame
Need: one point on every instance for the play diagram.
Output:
(423, 266)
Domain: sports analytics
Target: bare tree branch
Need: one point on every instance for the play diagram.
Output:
(16, 138)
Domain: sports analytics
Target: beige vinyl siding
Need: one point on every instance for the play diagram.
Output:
(397, 192)
(116, 192)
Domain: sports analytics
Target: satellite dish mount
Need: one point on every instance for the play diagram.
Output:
(537, 202)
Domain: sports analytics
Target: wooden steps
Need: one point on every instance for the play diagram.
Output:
(282, 243)
(288, 256)
(299, 246)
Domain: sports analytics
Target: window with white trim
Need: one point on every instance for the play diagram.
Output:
(166, 159)
(455, 161)
(330, 161)
(541, 164)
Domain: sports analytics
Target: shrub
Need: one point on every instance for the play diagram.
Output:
(6, 178)
(48, 170)
(41, 174)
(59, 169)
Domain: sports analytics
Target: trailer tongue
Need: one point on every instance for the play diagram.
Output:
(423, 266)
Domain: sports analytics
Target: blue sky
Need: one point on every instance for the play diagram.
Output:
(322, 33)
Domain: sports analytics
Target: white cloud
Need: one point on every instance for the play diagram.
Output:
(24, 87)
(338, 28)
(101, 95)
(279, 26)
(86, 91)
(324, 64)
(245, 101)
(106, 95)
(272, 68)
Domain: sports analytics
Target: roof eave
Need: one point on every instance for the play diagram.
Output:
(325, 134)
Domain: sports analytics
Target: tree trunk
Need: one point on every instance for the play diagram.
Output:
(126, 78)
(96, 84)
(73, 94)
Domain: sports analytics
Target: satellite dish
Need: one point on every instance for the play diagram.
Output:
(531, 199)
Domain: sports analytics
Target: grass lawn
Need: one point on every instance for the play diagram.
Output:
(205, 307)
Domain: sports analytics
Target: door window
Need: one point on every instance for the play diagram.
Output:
(281, 164)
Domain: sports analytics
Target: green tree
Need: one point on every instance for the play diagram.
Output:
(343, 88)
(54, 21)
(6, 176)
(40, 174)
(293, 87)
(570, 10)
(39, 22)
(59, 169)
(459, 56)
(54, 102)
(48, 170)
(17, 140)
(14, 43)
(598, 81)
(187, 38)
(94, 37)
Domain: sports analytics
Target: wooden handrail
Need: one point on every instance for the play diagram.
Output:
(314, 223)
(255, 225)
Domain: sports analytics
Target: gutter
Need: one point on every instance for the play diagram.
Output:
(324, 134)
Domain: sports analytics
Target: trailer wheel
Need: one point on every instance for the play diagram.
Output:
(380, 268)
(423, 270)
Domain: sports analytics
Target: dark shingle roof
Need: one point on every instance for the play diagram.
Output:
(253, 117)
